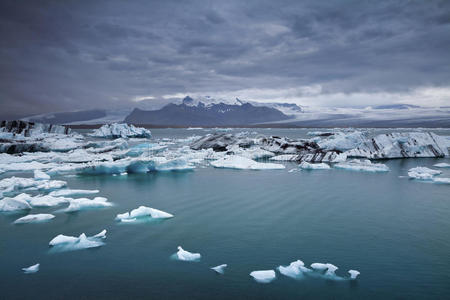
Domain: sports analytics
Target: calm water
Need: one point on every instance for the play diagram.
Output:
(393, 230)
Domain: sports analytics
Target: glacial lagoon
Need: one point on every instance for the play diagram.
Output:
(389, 227)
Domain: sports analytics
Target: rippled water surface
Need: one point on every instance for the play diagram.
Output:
(395, 231)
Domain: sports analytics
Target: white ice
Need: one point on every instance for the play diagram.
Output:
(423, 173)
(13, 204)
(264, 276)
(318, 166)
(353, 274)
(70, 243)
(242, 163)
(39, 175)
(220, 268)
(284, 157)
(85, 203)
(442, 165)
(143, 212)
(32, 269)
(187, 256)
(72, 192)
(294, 270)
(362, 165)
(36, 218)
(116, 130)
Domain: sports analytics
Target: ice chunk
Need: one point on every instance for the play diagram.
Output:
(37, 218)
(264, 276)
(331, 269)
(85, 203)
(187, 256)
(353, 274)
(70, 243)
(13, 204)
(32, 269)
(442, 165)
(285, 157)
(39, 175)
(294, 270)
(441, 180)
(423, 173)
(46, 201)
(362, 165)
(242, 163)
(70, 192)
(116, 130)
(220, 268)
(308, 166)
(319, 266)
(143, 212)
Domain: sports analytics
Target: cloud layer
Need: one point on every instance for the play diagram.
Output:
(71, 55)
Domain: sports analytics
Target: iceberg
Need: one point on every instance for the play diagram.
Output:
(220, 269)
(115, 130)
(361, 165)
(285, 157)
(318, 166)
(187, 256)
(143, 212)
(44, 200)
(71, 192)
(442, 165)
(84, 203)
(62, 242)
(423, 173)
(353, 274)
(264, 276)
(242, 163)
(13, 204)
(319, 266)
(32, 269)
(37, 218)
(294, 270)
(441, 180)
(39, 175)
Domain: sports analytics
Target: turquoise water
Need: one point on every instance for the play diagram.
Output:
(395, 231)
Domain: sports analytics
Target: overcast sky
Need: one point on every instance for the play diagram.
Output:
(72, 55)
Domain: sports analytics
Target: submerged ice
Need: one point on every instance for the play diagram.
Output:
(31, 269)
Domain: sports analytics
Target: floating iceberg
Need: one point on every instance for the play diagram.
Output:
(319, 166)
(294, 270)
(353, 274)
(285, 157)
(319, 266)
(71, 192)
(187, 256)
(143, 212)
(115, 130)
(32, 269)
(39, 175)
(220, 269)
(442, 165)
(423, 173)
(84, 203)
(441, 180)
(13, 204)
(37, 218)
(242, 163)
(362, 165)
(264, 276)
(69, 243)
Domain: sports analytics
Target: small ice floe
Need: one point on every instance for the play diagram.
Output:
(327, 271)
(441, 180)
(13, 204)
(143, 213)
(319, 266)
(442, 165)
(353, 274)
(362, 165)
(423, 173)
(220, 269)
(318, 166)
(32, 269)
(186, 255)
(71, 192)
(39, 175)
(63, 243)
(243, 163)
(45, 200)
(36, 218)
(85, 203)
(264, 276)
(294, 270)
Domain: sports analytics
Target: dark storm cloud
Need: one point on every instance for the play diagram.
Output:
(68, 55)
